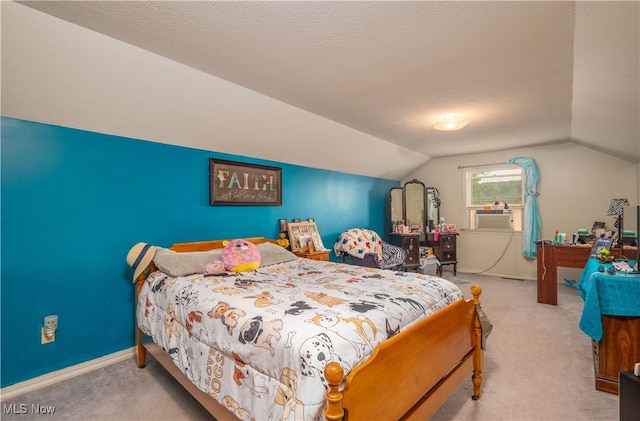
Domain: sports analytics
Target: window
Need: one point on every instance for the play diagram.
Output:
(494, 197)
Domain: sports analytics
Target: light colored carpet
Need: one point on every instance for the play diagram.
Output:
(538, 363)
(538, 366)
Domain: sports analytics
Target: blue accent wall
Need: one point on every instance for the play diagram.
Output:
(74, 202)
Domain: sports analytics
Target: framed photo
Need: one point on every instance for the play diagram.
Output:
(236, 183)
(304, 236)
(283, 225)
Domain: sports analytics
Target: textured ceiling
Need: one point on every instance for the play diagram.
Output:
(523, 73)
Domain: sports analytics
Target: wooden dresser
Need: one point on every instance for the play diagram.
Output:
(411, 243)
(445, 249)
(314, 255)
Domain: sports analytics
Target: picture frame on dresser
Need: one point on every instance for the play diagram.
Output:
(304, 234)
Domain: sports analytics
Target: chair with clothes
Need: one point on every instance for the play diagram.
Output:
(366, 248)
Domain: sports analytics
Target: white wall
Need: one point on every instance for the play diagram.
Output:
(576, 186)
(59, 73)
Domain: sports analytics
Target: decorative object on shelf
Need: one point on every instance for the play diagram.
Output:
(237, 183)
(283, 241)
(401, 228)
(450, 228)
(604, 255)
(283, 225)
(616, 208)
(304, 236)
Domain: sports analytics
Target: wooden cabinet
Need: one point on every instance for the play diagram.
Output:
(618, 350)
(314, 255)
(411, 243)
(445, 249)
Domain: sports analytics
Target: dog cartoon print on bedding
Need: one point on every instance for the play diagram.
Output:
(258, 341)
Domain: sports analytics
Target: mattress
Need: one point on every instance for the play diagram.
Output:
(258, 341)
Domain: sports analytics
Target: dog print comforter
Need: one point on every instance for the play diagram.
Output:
(258, 341)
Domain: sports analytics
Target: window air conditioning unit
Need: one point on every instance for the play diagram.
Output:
(494, 219)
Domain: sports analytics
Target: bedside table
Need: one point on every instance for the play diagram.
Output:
(314, 255)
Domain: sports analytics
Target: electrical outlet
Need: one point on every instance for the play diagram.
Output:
(49, 329)
(45, 339)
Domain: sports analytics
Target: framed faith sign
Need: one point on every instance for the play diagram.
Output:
(237, 183)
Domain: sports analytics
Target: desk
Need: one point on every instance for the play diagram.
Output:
(552, 256)
(611, 317)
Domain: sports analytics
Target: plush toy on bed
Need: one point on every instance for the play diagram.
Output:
(240, 256)
(215, 268)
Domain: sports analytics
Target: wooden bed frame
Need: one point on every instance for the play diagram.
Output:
(413, 373)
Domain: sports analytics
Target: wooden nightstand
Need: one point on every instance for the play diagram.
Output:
(314, 255)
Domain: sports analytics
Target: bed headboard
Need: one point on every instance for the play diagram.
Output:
(213, 244)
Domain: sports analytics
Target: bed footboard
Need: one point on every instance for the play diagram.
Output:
(422, 367)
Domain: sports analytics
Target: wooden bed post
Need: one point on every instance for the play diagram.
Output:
(141, 351)
(334, 373)
(478, 360)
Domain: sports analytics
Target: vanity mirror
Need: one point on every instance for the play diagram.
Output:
(433, 208)
(397, 208)
(416, 205)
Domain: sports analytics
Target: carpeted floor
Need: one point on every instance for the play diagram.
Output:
(455, 279)
(538, 366)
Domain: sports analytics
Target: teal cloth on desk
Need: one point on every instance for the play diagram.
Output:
(604, 294)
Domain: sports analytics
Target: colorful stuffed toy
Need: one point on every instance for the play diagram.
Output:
(240, 256)
(215, 268)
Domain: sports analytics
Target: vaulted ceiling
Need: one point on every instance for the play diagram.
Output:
(523, 73)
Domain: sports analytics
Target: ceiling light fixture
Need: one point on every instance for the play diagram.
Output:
(450, 123)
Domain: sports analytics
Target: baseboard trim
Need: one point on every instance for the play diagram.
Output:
(65, 374)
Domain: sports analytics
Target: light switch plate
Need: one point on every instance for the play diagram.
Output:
(44, 339)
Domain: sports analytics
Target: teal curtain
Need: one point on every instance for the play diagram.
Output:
(532, 223)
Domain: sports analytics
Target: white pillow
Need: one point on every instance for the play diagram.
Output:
(273, 253)
(182, 264)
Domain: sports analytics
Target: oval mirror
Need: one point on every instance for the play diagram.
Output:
(395, 197)
(414, 205)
